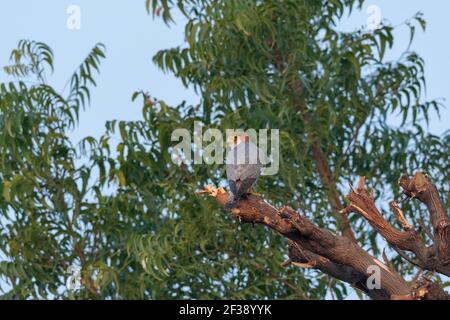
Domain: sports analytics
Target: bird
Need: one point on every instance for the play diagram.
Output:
(244, 163)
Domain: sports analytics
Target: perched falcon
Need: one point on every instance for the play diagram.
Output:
(244, 163)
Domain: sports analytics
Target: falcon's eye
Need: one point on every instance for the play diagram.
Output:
(235, 139)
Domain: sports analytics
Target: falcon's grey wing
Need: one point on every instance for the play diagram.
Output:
(243, 168)
(243, 161)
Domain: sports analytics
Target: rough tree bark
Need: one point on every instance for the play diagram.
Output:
(342, 258)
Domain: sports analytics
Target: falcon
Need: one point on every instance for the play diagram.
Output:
(244, 163)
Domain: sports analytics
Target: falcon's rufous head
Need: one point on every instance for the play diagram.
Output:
(236, 138)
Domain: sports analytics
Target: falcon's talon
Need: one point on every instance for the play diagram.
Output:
(231, 205)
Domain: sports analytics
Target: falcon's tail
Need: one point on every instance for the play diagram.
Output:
(232, 202)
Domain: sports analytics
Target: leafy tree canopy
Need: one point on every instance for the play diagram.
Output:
(129, 216)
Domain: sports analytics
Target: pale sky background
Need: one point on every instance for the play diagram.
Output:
(132, 37)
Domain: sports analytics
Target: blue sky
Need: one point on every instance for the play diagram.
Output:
(132, 37)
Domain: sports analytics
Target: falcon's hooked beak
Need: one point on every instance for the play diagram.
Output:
(236, 138)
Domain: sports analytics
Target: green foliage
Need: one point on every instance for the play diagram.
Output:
(129, 216)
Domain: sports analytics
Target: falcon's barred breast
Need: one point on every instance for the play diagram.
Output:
(244, 163)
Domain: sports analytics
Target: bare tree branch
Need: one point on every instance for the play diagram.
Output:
(345, 259)
(341, 257)
(431, 258)
(421, 188)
